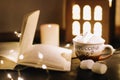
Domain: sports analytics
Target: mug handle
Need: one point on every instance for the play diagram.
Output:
(107, 52)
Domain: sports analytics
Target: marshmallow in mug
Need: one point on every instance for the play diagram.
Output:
(96, 67)
(90, 46)
(89, 38)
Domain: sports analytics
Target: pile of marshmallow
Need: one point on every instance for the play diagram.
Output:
(89, 38)
(96, 67)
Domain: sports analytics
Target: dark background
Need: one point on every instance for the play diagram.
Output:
(12, 13)
(52, 11)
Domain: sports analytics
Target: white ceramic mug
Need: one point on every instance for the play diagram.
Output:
(95, 51)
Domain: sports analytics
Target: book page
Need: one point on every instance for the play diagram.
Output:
(28, 30)
(9, 51)
(56, 58)
(8, 54)
(5, 63)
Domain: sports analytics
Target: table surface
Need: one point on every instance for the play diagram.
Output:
(113, 72)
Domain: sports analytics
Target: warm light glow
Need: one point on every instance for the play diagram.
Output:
(86, 27)
(20, 78)
(44, 66)
(110, 3)
(21, 57)
(75, 28)
(87, 12)
(98, 29)
(49, 26)
(1, 62)
(9, 76)
(40, 55)
(67, 45)
(98, 13)
(12, 50)
(17, 34)
(76, 12)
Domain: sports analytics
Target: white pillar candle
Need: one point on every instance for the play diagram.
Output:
(50, 34)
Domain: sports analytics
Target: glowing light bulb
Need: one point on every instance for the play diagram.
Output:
(9, 76)
(1, 62)
(21, 57)
(44, 66)
(11, 51)
(67, 45)
(20, 78)
(17, 34)
(49, 26)
(40, 55)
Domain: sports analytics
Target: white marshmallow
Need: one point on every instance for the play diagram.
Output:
(89, 38)
(96, 39)
(86, 64)
(99, 68)
(86, 37)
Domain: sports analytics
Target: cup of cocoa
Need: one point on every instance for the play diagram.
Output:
(92, 47)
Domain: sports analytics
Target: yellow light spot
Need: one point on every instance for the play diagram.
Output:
(49, 26)
(21, 57)
(44, 66)
(40, 55)
(11, 51)
(67, 45)
(1, 62)
(20, 78)
(9, 76)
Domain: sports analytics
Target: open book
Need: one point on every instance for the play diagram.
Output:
(37, 55)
